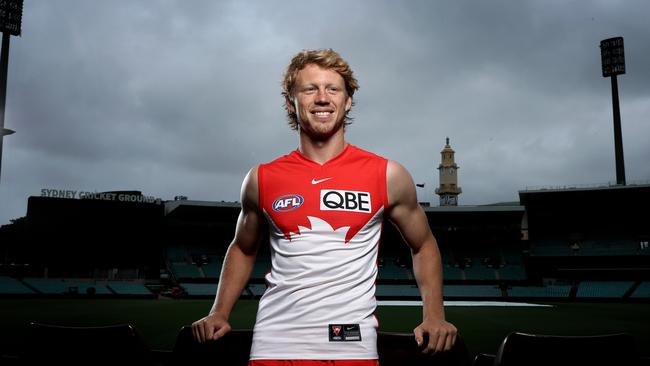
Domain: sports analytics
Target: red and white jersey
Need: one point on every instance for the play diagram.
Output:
(325, 225)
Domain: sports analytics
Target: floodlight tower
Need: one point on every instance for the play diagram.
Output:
(613, 63)
(11, 17)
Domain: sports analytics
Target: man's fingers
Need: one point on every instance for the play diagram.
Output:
(195, 334)
(221, 332)
(204, 330)
(418, 336)
(451, 340)
(433, 341)
(442, 341)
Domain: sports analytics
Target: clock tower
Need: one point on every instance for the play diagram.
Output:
(448, 170)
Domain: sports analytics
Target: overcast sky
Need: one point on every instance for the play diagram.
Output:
(183, 97)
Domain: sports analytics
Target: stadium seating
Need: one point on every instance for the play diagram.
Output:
(129, 288)
(512, 272)
(59, 286)
(256, 289)
(212, 270)
(397, 291)
(559, 291)
(185, 270)
(199, 289)
(11, 286)
(643, 291)
(603, 289)
(478, 271)
(390, 270)
(471, 291)
(233, 350)
(63, 345)
(449, 272)
(261, 267)
(537, 350)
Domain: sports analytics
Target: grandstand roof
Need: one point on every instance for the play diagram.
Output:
(509, 207)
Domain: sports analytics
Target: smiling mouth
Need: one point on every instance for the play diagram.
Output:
(322, 114)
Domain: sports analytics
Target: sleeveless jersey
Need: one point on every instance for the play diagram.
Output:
(324, 226)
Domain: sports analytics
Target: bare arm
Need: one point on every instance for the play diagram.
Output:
(409, 218)
(238, 264)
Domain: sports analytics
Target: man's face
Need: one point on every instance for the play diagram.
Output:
(320, 101)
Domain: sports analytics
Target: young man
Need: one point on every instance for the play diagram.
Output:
(323, 206)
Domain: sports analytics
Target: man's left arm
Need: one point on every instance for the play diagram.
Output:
(405, 213)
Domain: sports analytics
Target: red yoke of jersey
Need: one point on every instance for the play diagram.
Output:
(347, 190)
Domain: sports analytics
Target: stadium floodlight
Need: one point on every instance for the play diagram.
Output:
(11, 20)
(612, 57)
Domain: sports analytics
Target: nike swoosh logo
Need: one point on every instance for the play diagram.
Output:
(314, 181)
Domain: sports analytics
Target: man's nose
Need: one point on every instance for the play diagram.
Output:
(322, 97)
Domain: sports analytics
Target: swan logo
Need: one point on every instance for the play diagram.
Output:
(288, 202)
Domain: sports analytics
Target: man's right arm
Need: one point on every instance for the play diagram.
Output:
(238, 264)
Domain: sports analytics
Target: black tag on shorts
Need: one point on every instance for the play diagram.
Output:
(345, 333)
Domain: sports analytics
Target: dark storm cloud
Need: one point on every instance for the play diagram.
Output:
(177, 97)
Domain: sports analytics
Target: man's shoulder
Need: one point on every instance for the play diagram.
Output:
(366, 153)
(280, 159)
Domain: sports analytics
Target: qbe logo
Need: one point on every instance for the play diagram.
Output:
(288, 202)
(336, 200)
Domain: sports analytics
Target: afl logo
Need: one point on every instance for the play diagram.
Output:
(288, 202)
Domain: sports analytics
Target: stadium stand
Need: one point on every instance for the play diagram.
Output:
(511, 272)
(261, 267)
(256, 289)
(603, 289)
(212, 269)
(551, 291)
(394, 268)
(642, 291)
(470, 291)
(449, 272)
(199, 289)
(479, 271)
(184, 270)
(129, 288)
(397, 291)
(60, 286)
(11, 286)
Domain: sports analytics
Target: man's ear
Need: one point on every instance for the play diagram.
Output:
(290, 104)
(348, 103)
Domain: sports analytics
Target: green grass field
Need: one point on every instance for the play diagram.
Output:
(482, 328)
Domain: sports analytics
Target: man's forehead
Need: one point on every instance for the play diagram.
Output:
(313, 72)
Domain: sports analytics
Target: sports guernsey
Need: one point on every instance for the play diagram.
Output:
(324, 226)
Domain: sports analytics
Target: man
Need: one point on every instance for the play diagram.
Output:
(323, 206)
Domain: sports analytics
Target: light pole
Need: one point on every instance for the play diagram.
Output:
(613, 62)
(11, 16)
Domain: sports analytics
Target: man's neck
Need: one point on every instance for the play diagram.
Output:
(322, 151)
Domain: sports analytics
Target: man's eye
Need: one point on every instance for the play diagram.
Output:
(310, 89)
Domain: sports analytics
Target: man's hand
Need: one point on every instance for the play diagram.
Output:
(441, 335)
(211, 327)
